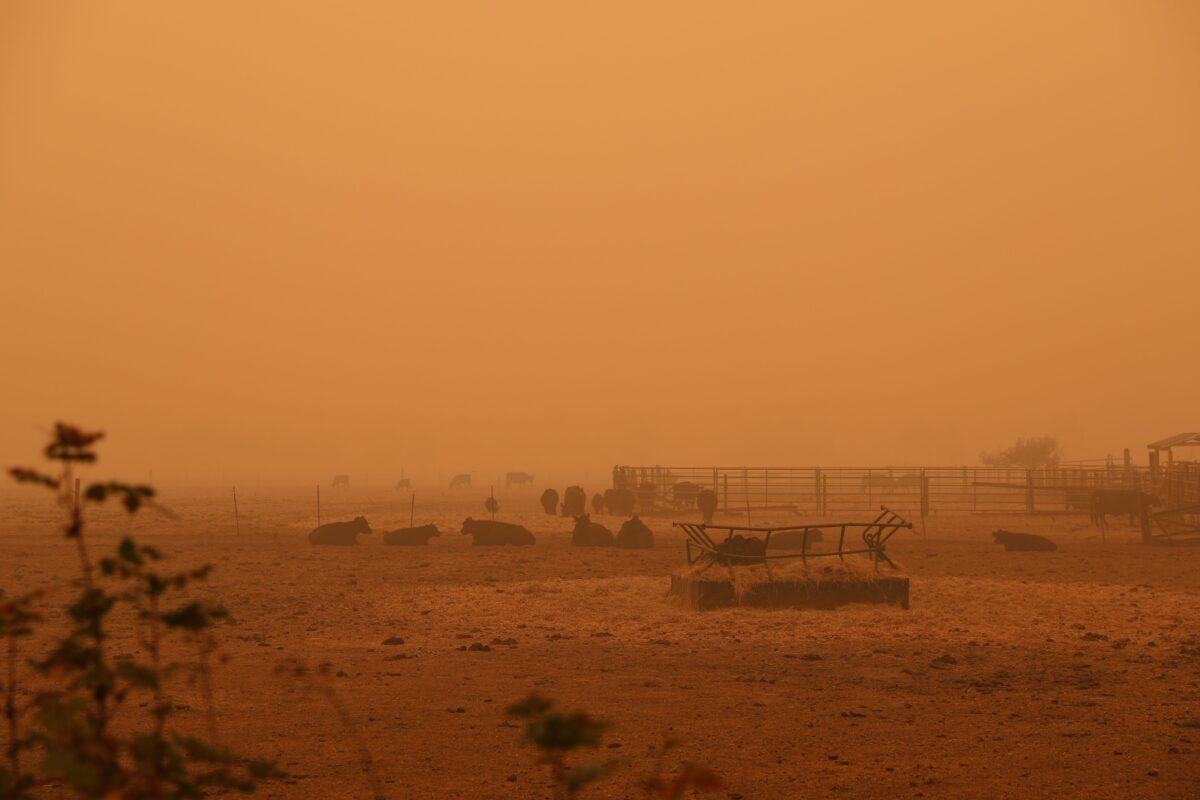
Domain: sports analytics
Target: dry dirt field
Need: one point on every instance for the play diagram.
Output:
(1069, 674)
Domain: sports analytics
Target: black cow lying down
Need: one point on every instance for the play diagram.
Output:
(740, 550)
(411, 536)
(590, 534)
(490, 532)
(339, 532)
(635, 535)
(794, 540)
(1024, 542)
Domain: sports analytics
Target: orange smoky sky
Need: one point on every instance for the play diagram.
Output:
(296, 238)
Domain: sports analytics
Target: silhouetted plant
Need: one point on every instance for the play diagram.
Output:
(690, 776)
(556, 735)
(70, 726)
(17, 618)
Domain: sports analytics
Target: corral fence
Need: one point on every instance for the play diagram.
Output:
(1179, 484)
(821, 491)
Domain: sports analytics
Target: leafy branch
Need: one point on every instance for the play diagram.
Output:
(70, 726)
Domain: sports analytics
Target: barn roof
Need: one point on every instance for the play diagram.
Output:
(1178, 440)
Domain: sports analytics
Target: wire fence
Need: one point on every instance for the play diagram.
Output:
(821, 491)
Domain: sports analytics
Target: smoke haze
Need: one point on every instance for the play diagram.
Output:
(298, 238)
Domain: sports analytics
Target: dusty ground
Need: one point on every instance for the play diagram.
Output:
(1069, 674)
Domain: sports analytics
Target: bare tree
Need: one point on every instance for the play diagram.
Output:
(1037, 451)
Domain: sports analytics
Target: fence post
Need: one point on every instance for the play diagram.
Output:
(1028, 491)
(924, 496)
(725, 493)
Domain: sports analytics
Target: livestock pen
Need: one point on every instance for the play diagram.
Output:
(821, 491)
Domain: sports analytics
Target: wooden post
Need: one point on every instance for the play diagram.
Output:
(716, 488)
(817, 491)
(412, 509)
(237, 520)
(825, 495)
(924, 497)
(492, 505)
(725, 493)
(1028, 491)
(318, 505)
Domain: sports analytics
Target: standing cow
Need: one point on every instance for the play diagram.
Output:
(574, 502)
(403, 485)
(620, 502)
(684, 494)
(549, 501)
(341, 481)
(518, 479)
(460, 480)
(597, 504)
(1122, 501)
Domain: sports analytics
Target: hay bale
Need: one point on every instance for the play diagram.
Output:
(821, 583)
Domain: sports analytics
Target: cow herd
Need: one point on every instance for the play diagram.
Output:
(633, 534)
(574, 502)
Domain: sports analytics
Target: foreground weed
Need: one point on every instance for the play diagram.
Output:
(68, 730)
(556, 735)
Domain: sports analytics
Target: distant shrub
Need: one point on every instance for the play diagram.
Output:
(1039, 451)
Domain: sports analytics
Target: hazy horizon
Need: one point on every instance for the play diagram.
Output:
(293, 240)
